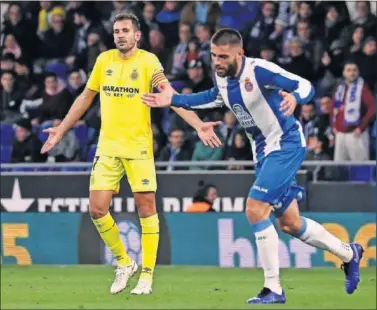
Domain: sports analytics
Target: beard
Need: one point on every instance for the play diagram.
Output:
(230, 71)
(125, 48)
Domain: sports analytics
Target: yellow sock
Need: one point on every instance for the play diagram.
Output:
(109, 233)
(149, 242)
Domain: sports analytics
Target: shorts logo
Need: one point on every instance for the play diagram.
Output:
(143, 152)
(134, 75)
(261, 189)
(109, 72)
(248, 85)
(145, 181)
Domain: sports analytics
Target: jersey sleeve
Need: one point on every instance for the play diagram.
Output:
(204, 100)
(94, 81)
(157, 75)
(269, 74)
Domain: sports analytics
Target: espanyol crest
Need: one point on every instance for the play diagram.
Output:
(248, 85)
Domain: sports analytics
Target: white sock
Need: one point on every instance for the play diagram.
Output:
(316, 235)
(267, 241)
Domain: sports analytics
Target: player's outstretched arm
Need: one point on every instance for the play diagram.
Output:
(204, 129)
(79, 107)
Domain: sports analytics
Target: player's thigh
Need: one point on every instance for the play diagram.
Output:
(276, 176)
(141, 174)
(106, 174)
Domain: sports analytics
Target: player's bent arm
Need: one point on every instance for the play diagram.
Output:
(79, 107)
(270, 74)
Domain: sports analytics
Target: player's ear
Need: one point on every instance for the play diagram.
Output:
(138, 35)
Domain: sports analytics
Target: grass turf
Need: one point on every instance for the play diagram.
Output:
(178, 287)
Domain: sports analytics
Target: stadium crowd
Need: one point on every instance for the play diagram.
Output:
(49, 49)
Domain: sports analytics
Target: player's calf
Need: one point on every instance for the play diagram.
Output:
(267, 242)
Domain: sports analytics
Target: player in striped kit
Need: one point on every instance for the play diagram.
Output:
(263, 97)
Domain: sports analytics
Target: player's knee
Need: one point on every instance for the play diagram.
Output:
(146, 204)
(256, 210)
(96, 209)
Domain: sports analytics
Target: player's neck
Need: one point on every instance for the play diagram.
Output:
(128, 54)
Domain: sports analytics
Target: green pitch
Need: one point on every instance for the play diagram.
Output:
(176, 287)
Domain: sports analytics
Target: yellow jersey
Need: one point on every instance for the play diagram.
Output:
(125, 121)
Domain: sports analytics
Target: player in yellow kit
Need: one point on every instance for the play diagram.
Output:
(122, 76)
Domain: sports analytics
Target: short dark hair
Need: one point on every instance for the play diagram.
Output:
(350, 62)
(227, 36)
(128, 16)
(50, 74)
(11, 72)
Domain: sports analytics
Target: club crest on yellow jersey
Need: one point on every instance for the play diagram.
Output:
(134, 74)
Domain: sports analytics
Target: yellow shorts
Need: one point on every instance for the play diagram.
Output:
(108, 171)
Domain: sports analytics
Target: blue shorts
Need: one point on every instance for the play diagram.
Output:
(276, 179)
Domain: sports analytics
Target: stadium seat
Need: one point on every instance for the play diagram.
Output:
(7, 134)
(5, 153)
(361, 173)
(91, 153)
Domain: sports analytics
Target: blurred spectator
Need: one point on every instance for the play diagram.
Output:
(11, 46)
(356, 40)
(240, 150)
(297, 62)
(86, 59)
(316, 152)
(70, 9)
(176, 150)
(157, 47)
(76, 82)
(26, 145)
(334, 23)
(180, 53)
(193, 50)
(15, 23)
(168, 21)
(330, 69)
(228, 130)
(260, 29)
(203, 199)
(8, 62)
(85, 26)
(204, 33)
(149, 15)
(55, 104)
(323, 126)
(57, 42)
(201, 12)
(353, 111)
(11, 98)
(365, 18)
(268, 51)
(48, 9)
(366, 60)
(27, 85)
(207, 153)
(197, 77)
(308, 120)
(68, 147)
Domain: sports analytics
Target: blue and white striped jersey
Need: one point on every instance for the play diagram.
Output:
(254, 98)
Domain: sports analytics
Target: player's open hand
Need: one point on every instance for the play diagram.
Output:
(54, 137)
(207, 134)
(289, 103)
(159, 100)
